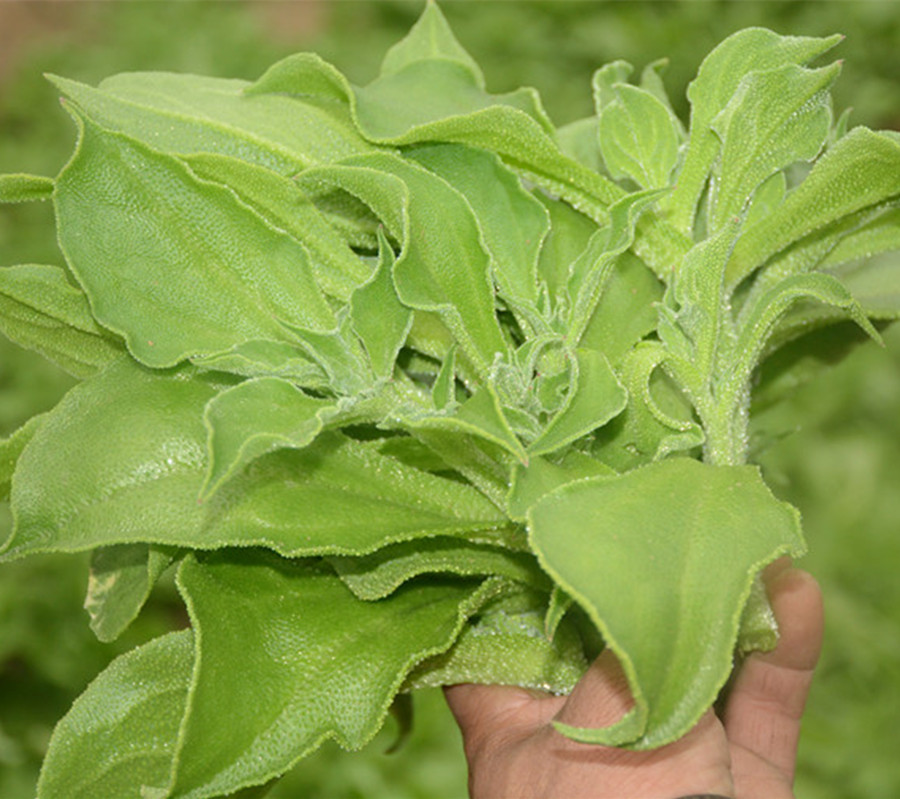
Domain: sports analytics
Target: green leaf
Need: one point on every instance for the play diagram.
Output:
(437, 96)
(375, 576)
(626, 311)
(879, 233)
(378, 317)
(766, 199)
(429, 38)
(21, 188)
(589, 273)
(541, 476)
(858, 171)
(480, 415)
(163, 246)
(442, 266)
(505, 645)
(123, 457)
(40, 309)
(280, 201)
(340, 355)
(307, 76)
(513, 223)
(187, 114)
(580, 141)
(559, 605)
(11, 449)
(861, 235)
(570, 232)
(875, 285)
(443, 390)
(652, 82)
(481, 461)
(758, 630)
(747, 51)
(595, 397)
(638, 137)
(775, 118)
(657, 420)
(111, 462)
(698, 336)
(323, 663)
(762, 319)
(267, 359)
(119, 583)
(604, 82)
(255, 417)
(440, 100)
(125, 725)
(694, 542)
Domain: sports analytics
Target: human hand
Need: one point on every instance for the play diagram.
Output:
(514, 752)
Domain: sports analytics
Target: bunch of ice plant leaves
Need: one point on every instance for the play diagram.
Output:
(413, 388)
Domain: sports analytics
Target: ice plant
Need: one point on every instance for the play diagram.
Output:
(412, 387)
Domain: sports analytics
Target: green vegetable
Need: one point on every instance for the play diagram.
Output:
(411, 388)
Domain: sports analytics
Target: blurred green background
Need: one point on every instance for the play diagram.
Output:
(840, 464)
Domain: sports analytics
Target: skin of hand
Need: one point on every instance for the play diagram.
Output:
(514, 752)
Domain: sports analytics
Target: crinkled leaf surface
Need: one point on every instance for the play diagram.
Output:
(40, 309)
(657, 420)
(443, 266)
(187, 114)
(123, 457)
(267, 359)
(375, 576)
(484, 463)
(591, 270)
(442, 100)
(340, 354)
(120, 736)
(625, 312)
(505, 644)
(419, 319)
(764, 316)
(281, 202)
(858, 171)
(570, 232)
(595, 397)
(638, 137)
(875, 236)
(288, 657)
(256, 417)
(378, 317)
(481, 415)
(513, 223)
(177, 266)
(430, 37)
(747, 51)
(774, 119)
(541, 476)
(664, 577)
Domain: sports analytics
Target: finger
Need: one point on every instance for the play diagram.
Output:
(601, 696)
(484, 710)
(766, 703)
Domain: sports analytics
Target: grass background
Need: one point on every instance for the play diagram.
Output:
(840, 464)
